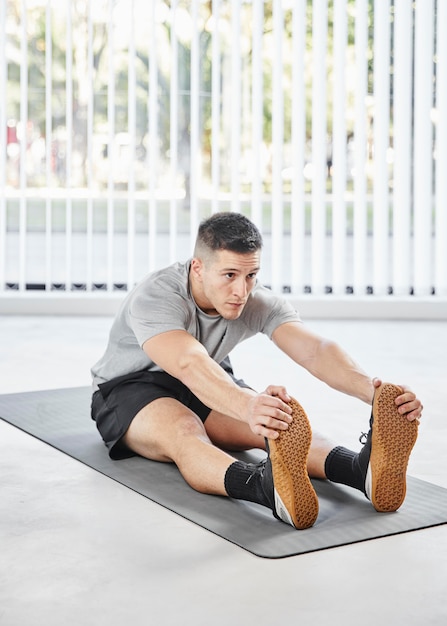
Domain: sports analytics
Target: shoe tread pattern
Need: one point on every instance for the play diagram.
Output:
(288, 454)
(393, 438)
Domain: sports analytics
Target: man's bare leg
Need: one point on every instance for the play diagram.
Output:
(232, 434)
(165, 430)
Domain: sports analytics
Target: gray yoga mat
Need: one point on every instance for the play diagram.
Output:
(61, 418)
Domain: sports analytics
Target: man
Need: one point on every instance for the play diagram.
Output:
(165, 390)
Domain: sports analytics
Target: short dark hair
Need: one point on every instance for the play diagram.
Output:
(228, 231)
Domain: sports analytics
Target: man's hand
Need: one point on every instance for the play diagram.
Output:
(269, 412)
(408, 404)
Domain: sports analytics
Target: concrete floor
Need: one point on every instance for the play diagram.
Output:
(79, 549)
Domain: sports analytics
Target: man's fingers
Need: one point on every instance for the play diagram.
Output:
(269, 415)
(269, 433)
(409, 405)
(279, 391)
(274, 402)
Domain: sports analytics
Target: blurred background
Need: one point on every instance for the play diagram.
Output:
(124, 122)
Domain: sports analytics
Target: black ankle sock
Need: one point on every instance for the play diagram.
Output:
(243, 482)
(342, 466)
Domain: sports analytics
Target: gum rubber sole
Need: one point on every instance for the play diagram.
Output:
(288, 454)
(393, 438)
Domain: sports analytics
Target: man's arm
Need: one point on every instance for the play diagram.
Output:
(331, 364)
(182, 356)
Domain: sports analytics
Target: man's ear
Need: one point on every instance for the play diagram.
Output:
(196, 268)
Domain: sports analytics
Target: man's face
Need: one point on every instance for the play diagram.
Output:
(222, 283)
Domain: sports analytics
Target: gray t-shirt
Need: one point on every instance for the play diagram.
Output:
(162, 302)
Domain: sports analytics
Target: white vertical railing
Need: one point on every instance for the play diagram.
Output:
(298, 139)
(441, 153)
(319, 144)
(195, 93)
(69, 145)
(360, 148)
(339, 225)
(89, 172)
(131, 122)
(23, 146)
(277, 148)
(3, 146)
(235, 100)
(173, 132)
(49, 140)
(402, 147)
(216, 95)
(272, 91)
(381, 145)
(110, 222)
(423, 146)
(256, 115)
(153, 151)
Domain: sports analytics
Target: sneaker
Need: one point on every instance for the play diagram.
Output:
(385, 454)
(285, 478)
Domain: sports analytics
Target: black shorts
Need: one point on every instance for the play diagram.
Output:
(117, 402)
